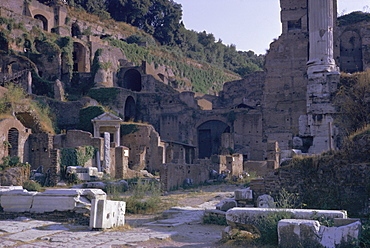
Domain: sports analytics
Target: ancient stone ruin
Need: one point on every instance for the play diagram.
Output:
(252, 124)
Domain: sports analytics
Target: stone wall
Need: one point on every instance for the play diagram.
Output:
(328, 182)
(174, 176)
(14, 176)
(146, 151)
(14, 138)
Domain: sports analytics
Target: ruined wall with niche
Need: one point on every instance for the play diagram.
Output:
(14, 139)
(353, 47)
(284, 99)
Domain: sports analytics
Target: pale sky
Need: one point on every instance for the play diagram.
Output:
(248, 24)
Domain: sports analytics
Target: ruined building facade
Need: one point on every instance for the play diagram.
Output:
(289, 105)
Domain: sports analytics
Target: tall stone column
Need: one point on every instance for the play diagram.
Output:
(323, 77)
(106, 163)
(321, 14)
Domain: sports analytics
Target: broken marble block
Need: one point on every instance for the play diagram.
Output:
(107, 214)
(18, 200)
(77, 200)
(243, 194)
(309, 233)
(251, 215)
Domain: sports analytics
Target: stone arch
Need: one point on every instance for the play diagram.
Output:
(351, 52)
(130, 109)
(79, 57)
(132, 80)
(209, 137)
(45, 24)
(13, 139)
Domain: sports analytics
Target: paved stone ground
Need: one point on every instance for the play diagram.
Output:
(182, 227)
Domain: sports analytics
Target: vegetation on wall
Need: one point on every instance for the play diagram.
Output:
(353, 101)
(12, 162)
(205, 78)
(86, 115)
(126, 129)
(105, 96)
(353, 18)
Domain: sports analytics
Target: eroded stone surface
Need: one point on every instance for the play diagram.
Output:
(309, 233)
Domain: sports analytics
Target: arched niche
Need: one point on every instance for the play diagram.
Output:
(44, 21)
(75, 30)
(130, 109)
(79, 57)
(13, 139)
(132, 80)
(209, 137)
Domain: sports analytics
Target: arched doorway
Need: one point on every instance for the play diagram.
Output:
(13, 137)
(44, 21)
(130, 109)
(79, 57)
(132, 80)
(209, 137)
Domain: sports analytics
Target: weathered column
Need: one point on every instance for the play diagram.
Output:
(321, 24)
(106, 164)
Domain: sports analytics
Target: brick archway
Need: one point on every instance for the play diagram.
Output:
(45, 23)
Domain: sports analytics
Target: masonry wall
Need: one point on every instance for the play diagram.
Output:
(174, 175)
(327, 182)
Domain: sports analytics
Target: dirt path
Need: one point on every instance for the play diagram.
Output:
(192, 233)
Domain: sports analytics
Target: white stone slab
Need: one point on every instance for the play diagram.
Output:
(247, 215)
(17, 200)
(46, 203)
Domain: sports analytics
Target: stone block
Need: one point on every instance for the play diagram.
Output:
(19, 200)
(226, 204)
(243, 194)
(78, 200)
(309, 233)
(44, 203)
(298, 233)
(107, 214)
(249, 215)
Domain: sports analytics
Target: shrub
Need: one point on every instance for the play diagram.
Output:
(268, 227)
(145, 197)
(32, 186)
(211, 219)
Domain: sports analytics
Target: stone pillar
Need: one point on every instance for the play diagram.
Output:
(321, 15)
(106, 165)
(117, 136)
